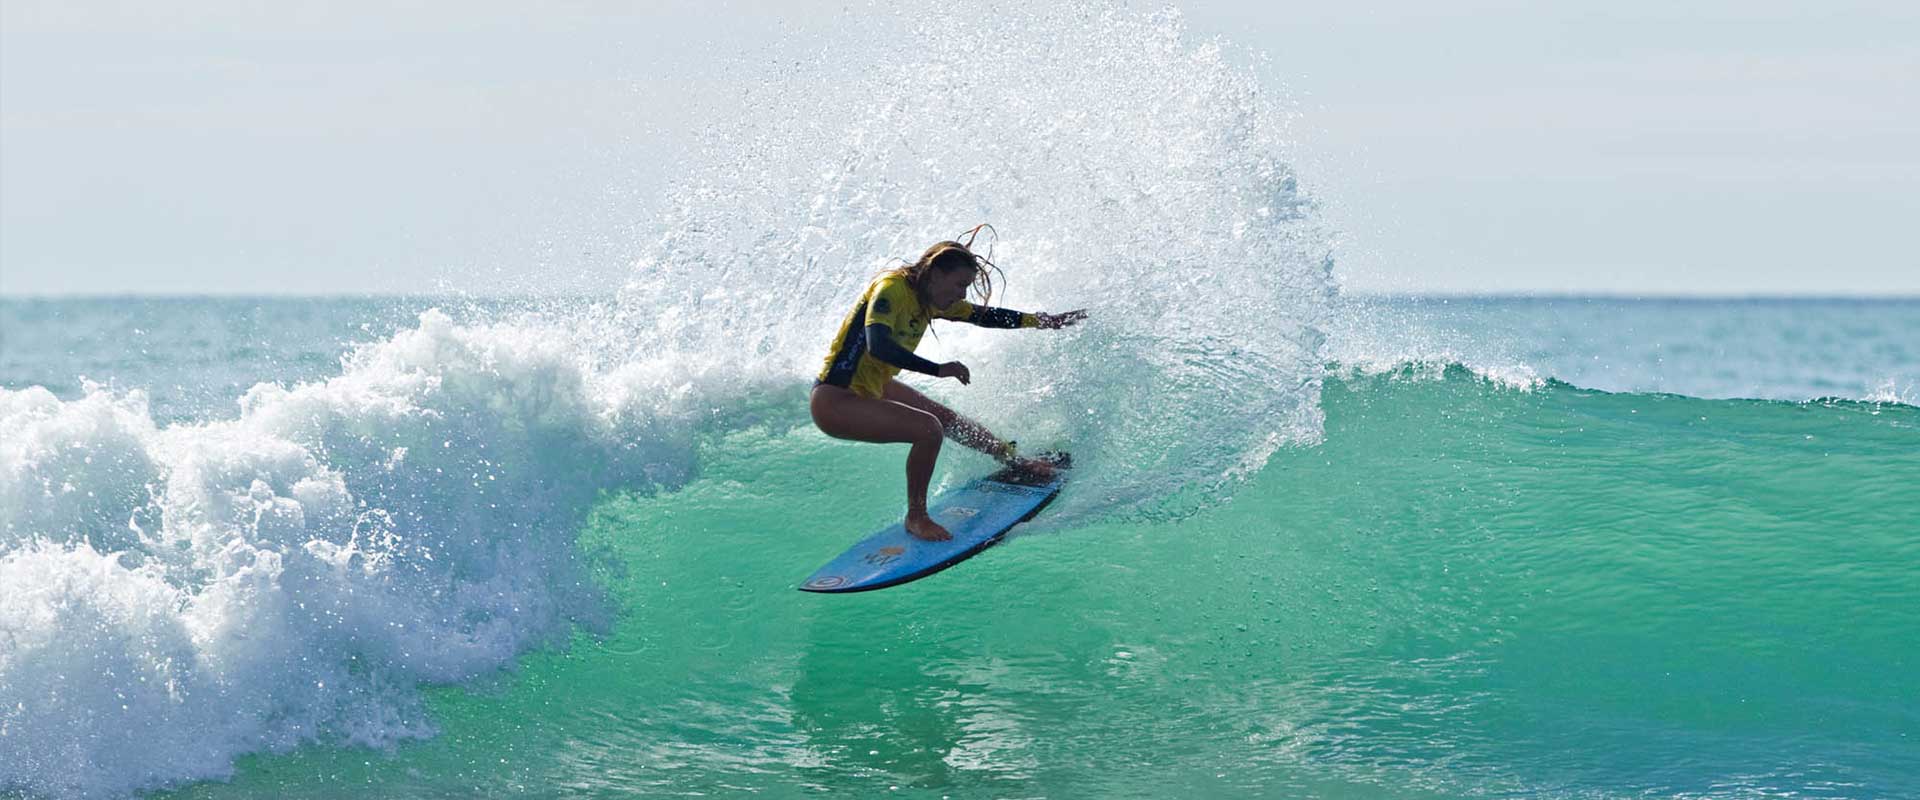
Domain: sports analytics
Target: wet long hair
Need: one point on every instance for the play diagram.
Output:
(950, 255)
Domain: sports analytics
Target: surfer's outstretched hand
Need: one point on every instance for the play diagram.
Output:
(1057, 321)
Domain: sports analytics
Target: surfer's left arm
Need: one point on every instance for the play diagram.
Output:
(990, 317)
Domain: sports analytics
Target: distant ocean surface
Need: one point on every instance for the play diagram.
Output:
(194, 357)
(1316, 544)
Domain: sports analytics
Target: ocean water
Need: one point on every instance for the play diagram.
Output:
(1316, 545)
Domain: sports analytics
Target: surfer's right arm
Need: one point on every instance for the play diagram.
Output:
(880, 345)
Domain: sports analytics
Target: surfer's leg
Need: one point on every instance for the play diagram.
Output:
(844, 415)
(957, 427)
(965, 431)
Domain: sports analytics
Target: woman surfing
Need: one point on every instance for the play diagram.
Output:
(856, 396)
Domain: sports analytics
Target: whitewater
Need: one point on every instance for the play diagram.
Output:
(1316, 544)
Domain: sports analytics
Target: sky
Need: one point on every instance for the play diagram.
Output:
(1629, 147)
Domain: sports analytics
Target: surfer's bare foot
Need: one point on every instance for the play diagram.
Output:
(923, 527)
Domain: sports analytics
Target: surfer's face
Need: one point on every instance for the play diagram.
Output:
(946, 287)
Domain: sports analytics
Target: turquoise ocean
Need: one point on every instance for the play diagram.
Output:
(1316, 544)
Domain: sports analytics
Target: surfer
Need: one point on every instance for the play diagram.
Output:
(856, 396)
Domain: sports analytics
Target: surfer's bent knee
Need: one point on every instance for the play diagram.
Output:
(931, 431)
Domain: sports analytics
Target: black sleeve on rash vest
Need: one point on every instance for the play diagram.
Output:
(990, 317)
(880, 345)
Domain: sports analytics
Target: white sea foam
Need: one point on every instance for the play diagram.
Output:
(175, 597)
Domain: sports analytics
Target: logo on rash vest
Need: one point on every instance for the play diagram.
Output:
(881, 306)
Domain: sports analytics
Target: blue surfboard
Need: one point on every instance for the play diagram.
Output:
(977, 514)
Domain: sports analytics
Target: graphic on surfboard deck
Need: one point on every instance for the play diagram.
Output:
(977, 514)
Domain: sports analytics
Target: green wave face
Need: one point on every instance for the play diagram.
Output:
(1464, 590)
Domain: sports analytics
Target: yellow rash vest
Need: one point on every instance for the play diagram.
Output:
(890, 308)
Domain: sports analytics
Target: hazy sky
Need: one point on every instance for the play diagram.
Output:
(1625, 147)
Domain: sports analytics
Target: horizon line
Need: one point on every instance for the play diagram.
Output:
(1895, 296)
